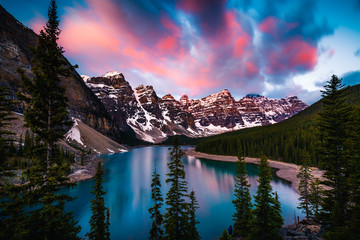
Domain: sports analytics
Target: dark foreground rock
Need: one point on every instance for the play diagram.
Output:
(304, 230)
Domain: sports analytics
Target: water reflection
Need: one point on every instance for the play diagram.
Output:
(128, 179)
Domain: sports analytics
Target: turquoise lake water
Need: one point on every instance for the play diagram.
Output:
(127, 183)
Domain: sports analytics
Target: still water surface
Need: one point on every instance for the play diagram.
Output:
(127, 183)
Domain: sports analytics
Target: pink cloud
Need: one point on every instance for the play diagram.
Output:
(269, 25)
(105, 37)
(293, 55)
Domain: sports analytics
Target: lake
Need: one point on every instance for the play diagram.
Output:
(127, 183)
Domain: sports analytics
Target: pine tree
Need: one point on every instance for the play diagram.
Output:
(45, 114)
(5, 121)
(315, 196)
(46, 103)
(305, 177)
(193, 205)
(354, 178)
(225, 235)
(243, 207)
(20, 151)
(267, 220)
(99, 221)
(176, 216)
(156, 231)
(333, 124)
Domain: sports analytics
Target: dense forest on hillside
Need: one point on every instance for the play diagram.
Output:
(282, 141)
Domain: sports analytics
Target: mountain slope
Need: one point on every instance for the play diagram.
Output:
(16, 42)
(154, 119)
(282, 141)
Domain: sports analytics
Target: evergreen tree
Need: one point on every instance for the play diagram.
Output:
(193, 205)
(28, 144)
(13, 220)
(225, 235)
(5, 121)
(333, 127)
(99, 221)
(315, 196)
(267, 219)
(20, 151)
(46, 103)
(156, 232)
(45, 114)
(305, 177)
(176, 216)
(354, 180)
(243, 207)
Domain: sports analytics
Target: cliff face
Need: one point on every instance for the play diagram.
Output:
(16, 42)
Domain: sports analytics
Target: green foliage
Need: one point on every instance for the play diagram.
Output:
(283, 141)
(242, 202)
(334, 152)
(225, 236)
(267, 219)
(315, 196)
(305, 177)
(46, 115)
(82, 160)
(354, 177)
(99, 221)
(176, 216)
(45, 111)
(13, 220)
(5, 121)
(193, 205)
(156, 231)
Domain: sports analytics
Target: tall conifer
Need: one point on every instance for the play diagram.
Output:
(192, 229)
(99, 221)
(305, 177)
(242, 202)
(267, 219)
(333, 127)
(156, 231)
(176, 216)
(5, 121)
(45, 114)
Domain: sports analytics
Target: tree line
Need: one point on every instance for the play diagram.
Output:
(284, 141)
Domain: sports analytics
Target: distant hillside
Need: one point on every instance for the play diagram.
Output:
(282, 141)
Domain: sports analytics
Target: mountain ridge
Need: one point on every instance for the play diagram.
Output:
(155, 118)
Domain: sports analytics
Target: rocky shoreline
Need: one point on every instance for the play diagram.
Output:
(286, 171)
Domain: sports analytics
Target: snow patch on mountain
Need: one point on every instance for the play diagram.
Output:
(74, 133)
(153, 119)
(111, 74)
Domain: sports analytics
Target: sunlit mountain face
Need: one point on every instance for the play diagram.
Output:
(272, 48)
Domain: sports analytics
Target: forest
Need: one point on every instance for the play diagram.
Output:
(283, 141)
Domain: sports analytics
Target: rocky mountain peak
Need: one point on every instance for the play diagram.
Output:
(115, 81)
(168, 97)
(113, 74)
(154, 118)
(184, 100)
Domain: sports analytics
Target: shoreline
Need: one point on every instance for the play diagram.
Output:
(286, 171)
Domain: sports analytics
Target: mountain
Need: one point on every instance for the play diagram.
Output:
(154, 119)
(283, 141)
(16, 42)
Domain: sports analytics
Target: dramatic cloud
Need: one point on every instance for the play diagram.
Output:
(198, 47)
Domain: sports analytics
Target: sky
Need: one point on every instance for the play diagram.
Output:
(274, 48)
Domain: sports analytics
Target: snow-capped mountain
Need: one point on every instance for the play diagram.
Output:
(154, 119)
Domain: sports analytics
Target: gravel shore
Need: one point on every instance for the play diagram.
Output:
(286, 171)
